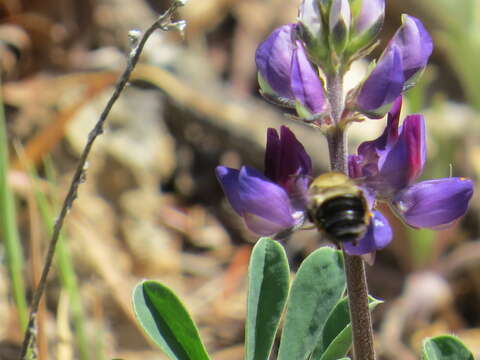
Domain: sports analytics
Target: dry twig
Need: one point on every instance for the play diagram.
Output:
(165, 23)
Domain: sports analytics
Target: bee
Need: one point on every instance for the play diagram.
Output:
(338, 207)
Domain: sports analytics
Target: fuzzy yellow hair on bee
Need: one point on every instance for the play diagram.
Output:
(338, 207)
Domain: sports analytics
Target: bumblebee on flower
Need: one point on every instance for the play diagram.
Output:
(301, 66)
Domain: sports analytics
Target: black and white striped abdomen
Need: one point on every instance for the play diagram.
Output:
(342, 218)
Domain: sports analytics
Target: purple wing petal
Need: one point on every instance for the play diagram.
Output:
(307, 88)
(434, 203)
(274, 58)
(415, 45)
(402, 163)
(228, 179)
(294, 160)
(264, 205)
(383, 85)
(379, 235)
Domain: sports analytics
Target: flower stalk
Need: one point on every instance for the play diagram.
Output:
(354, 266)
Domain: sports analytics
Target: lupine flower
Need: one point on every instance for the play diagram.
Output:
(367, 23)
(273, 202)
(306, 86)
(286, 73)
(390, 165)
(401, 63)
(274, 57)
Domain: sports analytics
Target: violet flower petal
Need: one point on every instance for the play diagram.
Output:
(389, 135)
(378, 235)
(264, 205)
(274, 57)
(286, 158)
(415, 45)
(383, 85)
(399, 165)
(434, 203)
(272, 155)
(306, 86)
(355, 166)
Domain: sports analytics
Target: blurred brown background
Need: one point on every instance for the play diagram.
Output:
(151, 206)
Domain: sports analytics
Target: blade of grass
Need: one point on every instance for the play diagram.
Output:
(66, 269)
(8, 224)
(68, 278)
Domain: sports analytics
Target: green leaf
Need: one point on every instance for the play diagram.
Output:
(337, 333)
(164, 318)
(445, 347)
(268, 281)
(318, 286)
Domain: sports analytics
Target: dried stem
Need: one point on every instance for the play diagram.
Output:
(164, 22)
(354, 265)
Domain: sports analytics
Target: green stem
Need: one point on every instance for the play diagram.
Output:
(8, 223)
(354, 266)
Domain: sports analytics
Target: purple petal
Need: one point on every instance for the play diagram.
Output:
(383, 85)
(370, 151)
(400, 164)
(306, 86)
(434, 203)
(286, 158)
(379, 235)
(264, 205)
(370, 17)
(274, 58)
(355, 166)
(272, 155)
(415, 45)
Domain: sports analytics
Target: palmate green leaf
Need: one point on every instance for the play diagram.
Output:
(164, 318)
(337, 333)
(318, 286)
(445, 347)
(268, 282)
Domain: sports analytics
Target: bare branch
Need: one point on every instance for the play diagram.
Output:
(137, 41)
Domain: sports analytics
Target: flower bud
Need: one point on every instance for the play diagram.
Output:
(307, 88)
(382, 86)
(273, 59)
(311, 29)
(367, 17)
(415, 45)
(339, 25)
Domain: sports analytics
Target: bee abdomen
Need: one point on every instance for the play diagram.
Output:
(342, 218)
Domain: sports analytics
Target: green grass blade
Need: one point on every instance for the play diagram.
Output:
(8, 224)
(68, 277)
